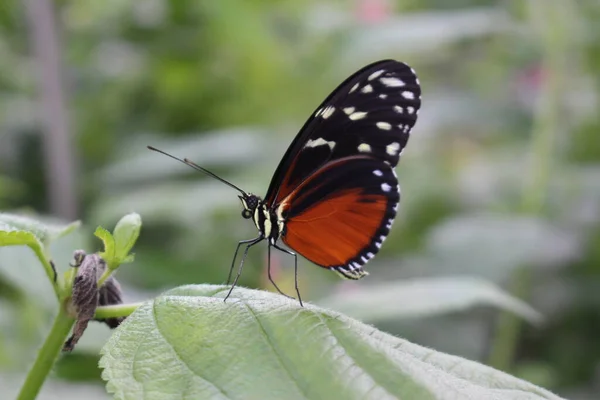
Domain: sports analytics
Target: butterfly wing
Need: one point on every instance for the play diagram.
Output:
(339, 216)
(370, 113)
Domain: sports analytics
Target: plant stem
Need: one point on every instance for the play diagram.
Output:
(122, 310)
(46, 356)
(107, 273)
(51, 272)
(549, 15)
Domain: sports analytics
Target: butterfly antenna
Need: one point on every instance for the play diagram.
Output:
(198, 168)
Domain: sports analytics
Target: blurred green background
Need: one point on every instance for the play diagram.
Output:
(500, 180)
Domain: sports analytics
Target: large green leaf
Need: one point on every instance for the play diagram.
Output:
(189, 344)
(424, 297)
(18, 229)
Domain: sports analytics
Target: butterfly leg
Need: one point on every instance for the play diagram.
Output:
(237, 249)
(295, 271)
(269, 272)
(249, 243)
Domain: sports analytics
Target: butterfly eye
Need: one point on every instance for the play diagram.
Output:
(246, 214)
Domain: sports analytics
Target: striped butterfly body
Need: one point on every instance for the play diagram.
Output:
(334, 196)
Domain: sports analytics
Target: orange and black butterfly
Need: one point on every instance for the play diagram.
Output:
(334, 196)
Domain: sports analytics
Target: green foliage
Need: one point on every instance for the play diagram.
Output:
(263, 345)
(419, 298)
(16, 230)
(229, 83)
(40, 233)
(282, 337)
(118, 244)
(19, 230)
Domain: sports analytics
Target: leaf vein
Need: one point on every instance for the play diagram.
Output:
(180, 359)
(275, 351)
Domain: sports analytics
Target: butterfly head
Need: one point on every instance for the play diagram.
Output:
(250, 202)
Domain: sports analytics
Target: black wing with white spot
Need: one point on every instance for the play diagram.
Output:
(340, 215)
(370, 114)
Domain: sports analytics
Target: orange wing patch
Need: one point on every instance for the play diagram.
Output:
(336, 230)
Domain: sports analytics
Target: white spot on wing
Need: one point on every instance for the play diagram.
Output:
(320, 142)
(377, 173)
(357, 115)
(392, 82)
(408, 95)
(370, 255)
(400, 109)
(385, 187)
(349, 110)
(327, 112)
(353, 88)
(410, 109)
(384, 125)
(367, 89)
(392, 149)
(375, 74)
(383, 96)
(364, 148)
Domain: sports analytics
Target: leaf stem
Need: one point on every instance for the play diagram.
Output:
(50, 270)
(46, 356)
(107, 273)
(121, 310)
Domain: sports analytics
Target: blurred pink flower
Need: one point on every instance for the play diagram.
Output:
(373, 11)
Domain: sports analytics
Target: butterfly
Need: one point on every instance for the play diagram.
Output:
(335, 194)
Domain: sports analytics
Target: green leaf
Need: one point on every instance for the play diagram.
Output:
(44, 232)
(118, 244)
(125, 235)
(188, 344)
(424, 297)
(18, 238)
(109, 244)
(16, 230)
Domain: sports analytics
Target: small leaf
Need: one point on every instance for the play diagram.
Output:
(188, 343)
(424, 297)
(126, 234)
(109, 243)
(118, 244)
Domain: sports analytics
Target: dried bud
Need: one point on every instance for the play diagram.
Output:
(85, 293)
(87, 297)
(78, 256)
